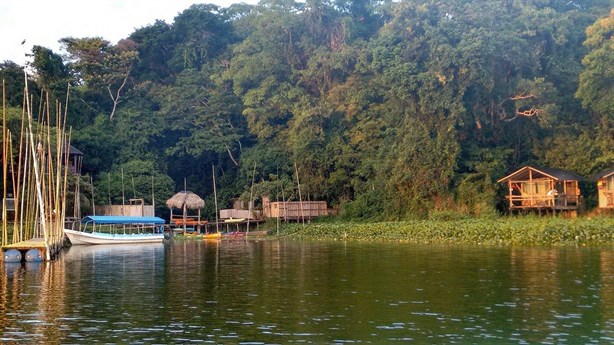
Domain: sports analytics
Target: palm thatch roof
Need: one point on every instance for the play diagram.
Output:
(188, 199)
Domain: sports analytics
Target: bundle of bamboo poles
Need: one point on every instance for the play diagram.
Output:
(37, 173)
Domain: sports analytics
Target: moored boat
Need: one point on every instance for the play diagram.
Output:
(235, 234)
(212, 236)
(116, 230)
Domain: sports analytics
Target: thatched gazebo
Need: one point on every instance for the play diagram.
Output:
(186, 201)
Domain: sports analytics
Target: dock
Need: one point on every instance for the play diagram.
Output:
(32, 250)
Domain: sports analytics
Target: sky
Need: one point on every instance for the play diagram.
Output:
(45, 22)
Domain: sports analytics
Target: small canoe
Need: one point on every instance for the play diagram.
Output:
(234, 220)
(236, 234)
(212, 236)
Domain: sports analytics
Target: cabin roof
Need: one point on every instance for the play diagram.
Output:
(74, 151)
(604, 174)
(556, 174)
(186, 198)
(122, 220)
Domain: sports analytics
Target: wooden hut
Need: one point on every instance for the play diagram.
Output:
(134, 208)
(294, 210)
(543, 189)
(605, 189)
(186, 201)
(75, 160)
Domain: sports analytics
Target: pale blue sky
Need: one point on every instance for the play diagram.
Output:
(44, 22)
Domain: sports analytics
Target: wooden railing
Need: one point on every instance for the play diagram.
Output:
(552, 201)
(189, 221)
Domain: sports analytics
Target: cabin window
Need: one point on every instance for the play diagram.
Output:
(571, 188)
(527, 188)
(610, 183)
(541, 188)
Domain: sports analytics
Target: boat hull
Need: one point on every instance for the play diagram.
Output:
(213, 236)
(235, 234)
(85, 238)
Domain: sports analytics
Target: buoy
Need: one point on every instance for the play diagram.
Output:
(34, 255)
(33, 266)
(12, 255)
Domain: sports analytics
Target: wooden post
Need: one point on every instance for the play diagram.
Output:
(110, 203)
(298, 183)
(123, 195)
(37, 180)
(4, 166)
(277, 199)
(217, 223)
(153, 196)
(251, 196)
(532, 186)
(93, 199)
(185, 211)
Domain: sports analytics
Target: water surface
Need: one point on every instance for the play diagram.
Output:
(302, 292)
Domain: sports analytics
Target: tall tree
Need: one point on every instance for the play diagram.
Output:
(201, 34)
(51, 73)
(14, 79)
(101, 66)
(200, 116)
(596, 89)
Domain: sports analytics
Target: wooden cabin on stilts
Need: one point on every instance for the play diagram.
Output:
(605, 191)
(543, 191)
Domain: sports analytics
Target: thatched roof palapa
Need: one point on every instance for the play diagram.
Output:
(188, 199)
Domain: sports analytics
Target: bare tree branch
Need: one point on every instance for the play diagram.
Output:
(116, 99)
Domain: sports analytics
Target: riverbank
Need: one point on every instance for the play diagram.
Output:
(499, 231)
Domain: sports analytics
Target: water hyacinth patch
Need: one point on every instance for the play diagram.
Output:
(499, 231)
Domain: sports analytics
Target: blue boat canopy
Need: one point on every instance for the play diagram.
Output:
(122, 220)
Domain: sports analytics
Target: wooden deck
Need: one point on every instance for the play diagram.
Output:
(561, 202)
(189, 221)
(34, 243)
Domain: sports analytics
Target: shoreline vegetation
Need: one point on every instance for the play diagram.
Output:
(383, 109)
(536, 231)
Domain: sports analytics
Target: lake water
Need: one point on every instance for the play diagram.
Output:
(262, 292)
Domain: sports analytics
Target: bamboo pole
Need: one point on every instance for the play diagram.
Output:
(25, 188)
(109, 174)
(58, 219)
(217, 222)
(277, 198)
(123, 196)
(133, 188)
(39, 191)
(251, 196)
(12, 169)
(184, 208)
(283, 200)
(65, 189)
(76, 207)
(66, 161)
(18, 219)
(93, 198)
(4, 166)
(153, 195)
(49, 176)
(298, 183)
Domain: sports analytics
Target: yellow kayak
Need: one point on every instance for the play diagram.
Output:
(212, 236)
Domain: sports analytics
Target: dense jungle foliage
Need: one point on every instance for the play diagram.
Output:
(386, 110)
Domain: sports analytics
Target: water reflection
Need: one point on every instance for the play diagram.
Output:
(29, 307)
(285, 292)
